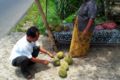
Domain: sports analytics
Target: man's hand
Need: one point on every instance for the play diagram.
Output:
(40, 61)
(46, 62)
(50, 54)
(46, 52)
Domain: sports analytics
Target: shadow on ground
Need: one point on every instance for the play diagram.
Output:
(33, 69)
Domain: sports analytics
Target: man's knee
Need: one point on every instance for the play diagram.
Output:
(20, 60)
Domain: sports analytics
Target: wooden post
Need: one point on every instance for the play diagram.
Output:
(46, 24)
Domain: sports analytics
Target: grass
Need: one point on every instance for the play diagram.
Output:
(33, 15)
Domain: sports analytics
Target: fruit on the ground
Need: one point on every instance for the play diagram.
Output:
(68, 59)
(60, 54)
(64, 65)
(56, 61)
(62, 73)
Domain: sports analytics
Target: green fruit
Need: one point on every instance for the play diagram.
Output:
(64, 65)
(68, 59)
(62, 73)
(58, 29)
(66, 28)
(60, 55)
(52, 28)
(56, 61)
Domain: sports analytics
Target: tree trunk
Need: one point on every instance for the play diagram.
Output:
(46, 24)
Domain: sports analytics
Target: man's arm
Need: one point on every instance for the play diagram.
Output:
(39, 61)
(46, 52)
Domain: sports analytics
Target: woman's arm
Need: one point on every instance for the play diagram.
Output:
(90, 23)
(92, 11)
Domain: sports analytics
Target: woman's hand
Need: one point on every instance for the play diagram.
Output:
(84, 32)
(90, 22)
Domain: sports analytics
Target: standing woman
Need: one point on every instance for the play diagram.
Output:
(86, 15)
(85, 22)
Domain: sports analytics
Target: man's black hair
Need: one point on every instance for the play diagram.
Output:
(32, 31)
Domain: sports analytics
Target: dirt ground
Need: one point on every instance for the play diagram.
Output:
(101, 63)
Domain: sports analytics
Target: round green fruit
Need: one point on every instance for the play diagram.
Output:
(56, 61)
(68, 59)
(60, 55)
(62, 73)
(64, 65)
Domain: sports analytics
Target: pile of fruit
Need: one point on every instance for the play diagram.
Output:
(59, 28)
(63, 61)
(106, 25)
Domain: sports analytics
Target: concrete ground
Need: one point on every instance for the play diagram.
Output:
(101, 63)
